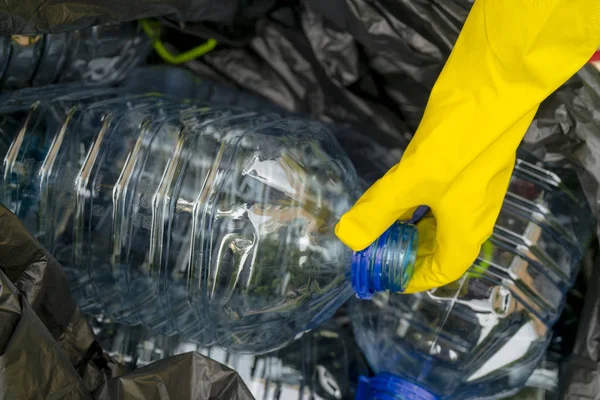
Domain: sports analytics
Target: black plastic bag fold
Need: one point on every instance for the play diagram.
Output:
(32, 363)
(581, 378)
(185, 376)
(48, 349)
(566, 130)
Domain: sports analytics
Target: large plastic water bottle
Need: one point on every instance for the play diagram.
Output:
(482, 336)
(98, 55)
(212, 222)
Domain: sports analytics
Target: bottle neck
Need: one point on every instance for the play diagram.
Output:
(390, 387)
(387, 264)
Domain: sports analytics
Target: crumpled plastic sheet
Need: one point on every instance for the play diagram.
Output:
(32, 364)
(368, 64)
(566, 130)
(43, 337)
(47, 348)
(185, 376)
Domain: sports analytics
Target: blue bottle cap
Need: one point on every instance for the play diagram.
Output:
(386, 386)
(364, 279)
(387, 264)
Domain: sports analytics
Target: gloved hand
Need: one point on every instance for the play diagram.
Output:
(509, 57)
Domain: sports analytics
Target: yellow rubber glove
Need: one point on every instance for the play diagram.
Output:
(509, 57)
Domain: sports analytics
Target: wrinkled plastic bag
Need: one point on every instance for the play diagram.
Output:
(48, 350)
(566, 130)
(185, 376)
(44, 339)
(368, 64)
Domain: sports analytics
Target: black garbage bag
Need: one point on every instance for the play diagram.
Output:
(45, 341)
(185, 376)
(369, 64)
(48, 350)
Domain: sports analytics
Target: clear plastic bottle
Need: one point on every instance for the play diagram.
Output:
(98, 55)
(323, 364)
(482, 336)
(212, 222)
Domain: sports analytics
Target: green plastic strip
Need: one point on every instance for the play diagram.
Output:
(152, 30)
(477, 270)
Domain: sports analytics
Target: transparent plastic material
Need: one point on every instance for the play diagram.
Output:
(211, 222)
(483, 335)
(98, 55)
(323, 364)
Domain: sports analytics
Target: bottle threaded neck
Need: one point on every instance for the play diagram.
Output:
(387, 264)
(391, 387)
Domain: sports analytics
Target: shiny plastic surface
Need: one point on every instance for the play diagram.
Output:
(323, 364)
(387, 264)
(211, 222)
(483, 335)
(97, 55)
(390, 387)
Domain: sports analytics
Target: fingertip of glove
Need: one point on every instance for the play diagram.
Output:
(352, 234)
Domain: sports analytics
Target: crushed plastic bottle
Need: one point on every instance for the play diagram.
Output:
(98, 55)
(482, 336)
(211, 222)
